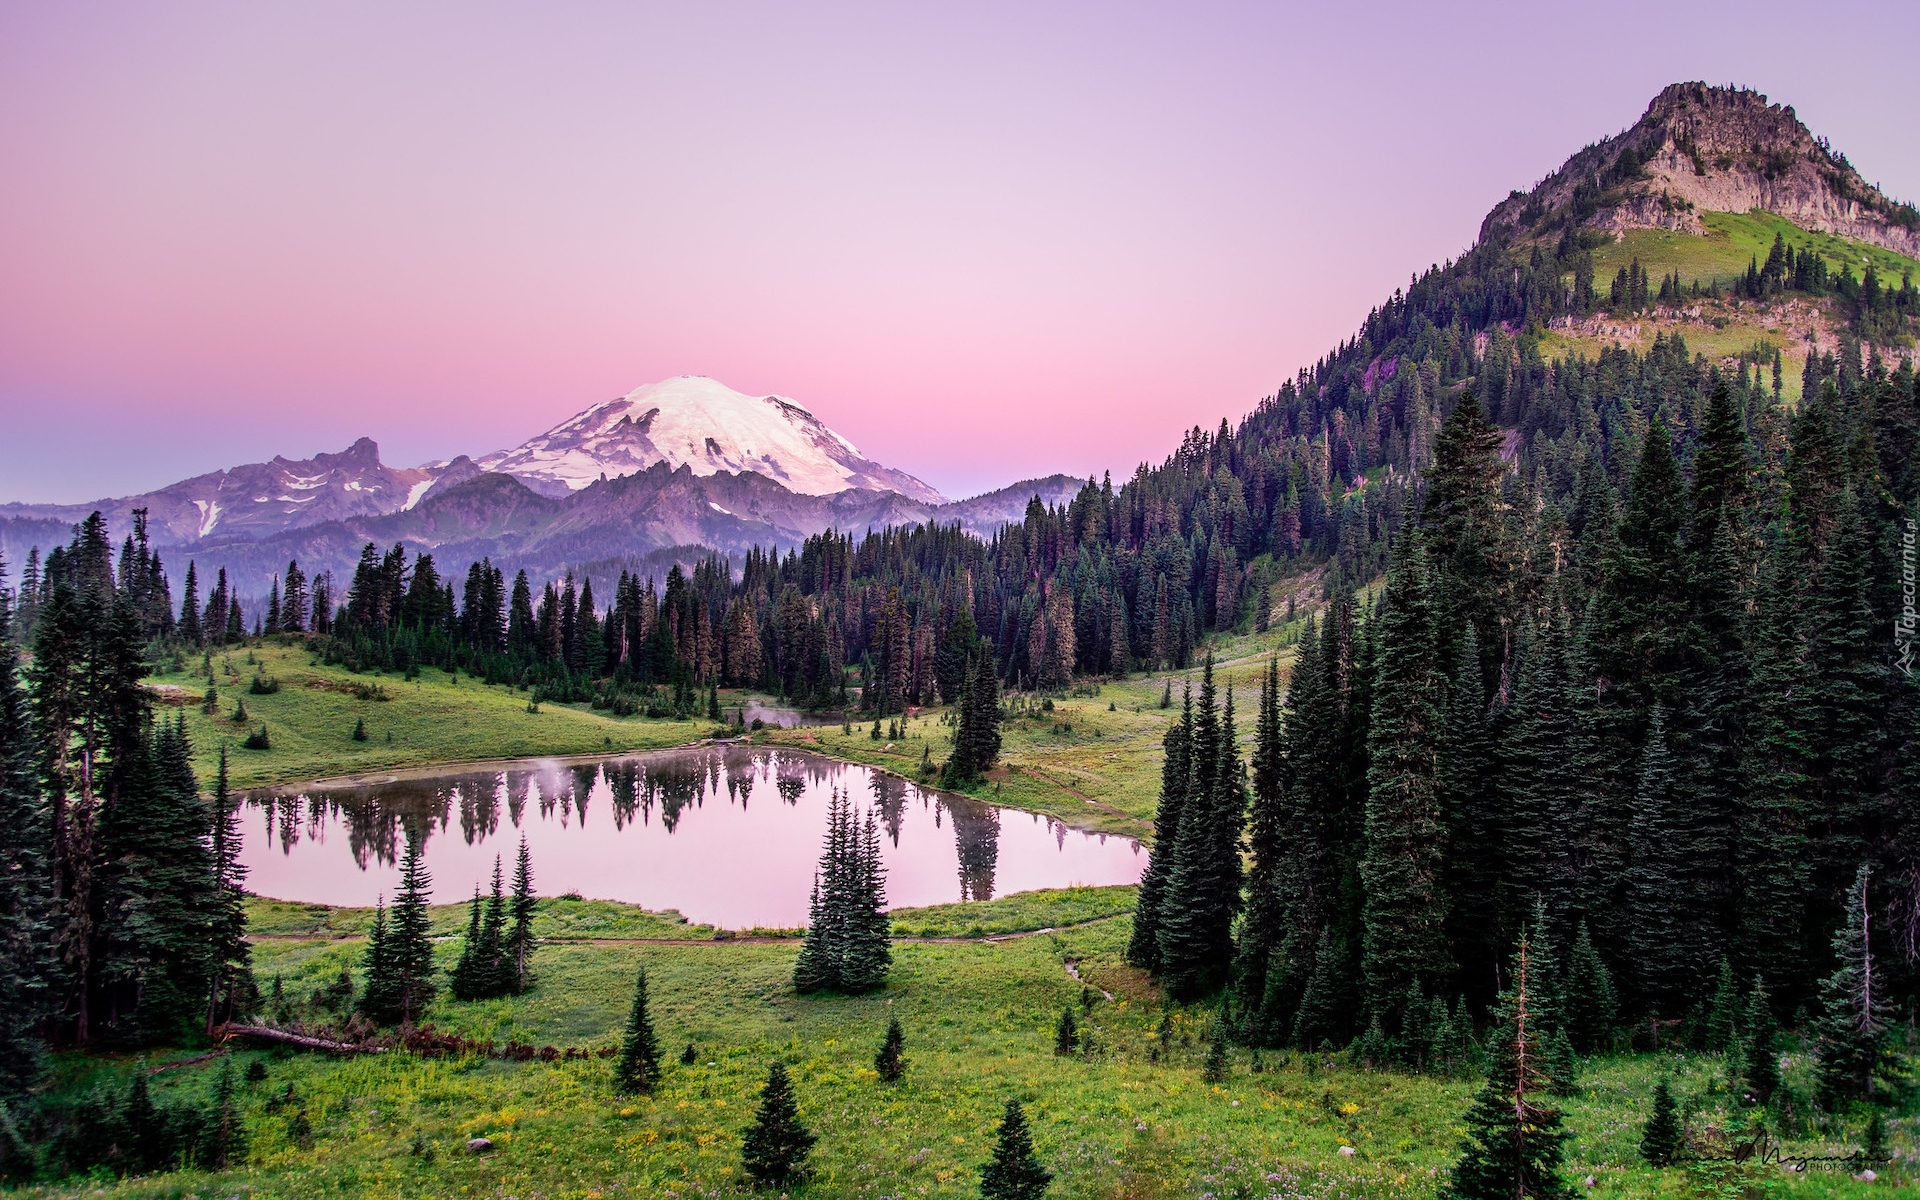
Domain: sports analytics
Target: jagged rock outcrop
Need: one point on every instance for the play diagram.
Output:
(1710, 149)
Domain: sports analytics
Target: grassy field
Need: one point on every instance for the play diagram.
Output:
(1732, 241)
(1131, 1118)
(435, 718)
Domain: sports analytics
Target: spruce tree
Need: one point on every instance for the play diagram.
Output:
(1403, 940)
(1143, 944)
(520, 941)
(888, 1062)
(225, 1137)
(1513, 1147)
(1664, 1136)
(1204, 890)
(1262, 928)
(1014, 1172)
(638, 1067)
(1854, 1057)
(232, 956)
(26, 969)
(1066, 1034)
(380, 999)
(775, 1148)
(410, 940)
(1592, 1006)
(464, 980)
(1722, 1027)
(1760, 1060)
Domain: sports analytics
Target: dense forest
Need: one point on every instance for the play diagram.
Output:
(1630, 682)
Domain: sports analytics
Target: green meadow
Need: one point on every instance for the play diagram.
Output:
(1128, 1116)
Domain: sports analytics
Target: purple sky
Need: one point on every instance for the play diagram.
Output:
(984, 242)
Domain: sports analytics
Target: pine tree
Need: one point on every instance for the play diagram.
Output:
(1219, 1064)
(25, 967)
(1203, 891)
(1854, 1058)
(232, 956)
(463, 981)
(1066, 1034)
(638, 1067)
(1663, 1138)
(1014, 1172)
(1592, 1006)
(1760, 1061)
(1403, 940)
(1722, 1028)
(775, 1148)
(225, 1138)
(1143, 944)
(520, 942)
(1513, 1146)
(380, 1000)
(410, 940)
(1658, 942)
(889, 1063)
(1262, 928)
(497, 976)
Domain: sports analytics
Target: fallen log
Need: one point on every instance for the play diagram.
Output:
(305, 1041)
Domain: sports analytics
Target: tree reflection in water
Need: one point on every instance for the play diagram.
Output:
(555, 801)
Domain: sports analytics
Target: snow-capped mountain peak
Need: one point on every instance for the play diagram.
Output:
(706, 426)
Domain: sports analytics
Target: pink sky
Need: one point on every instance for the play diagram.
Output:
(985, 242)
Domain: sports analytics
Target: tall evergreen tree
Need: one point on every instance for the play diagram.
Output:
(25, 908)
(775, 1148)
(1014, 1172)
(519, 944)
(638, 1068)
(1514, 1144)
(232, 956)
(1204, 889)
(1854, 1057)
(1404, 937)
(1143, 944)
(1263, 927)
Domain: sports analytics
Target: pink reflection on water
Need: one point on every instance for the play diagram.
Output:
(729, 836)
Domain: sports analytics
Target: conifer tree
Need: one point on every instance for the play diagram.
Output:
(380, 999)
(638, 1067)
(1722, 1027)
(1513, 1147)
(1660, 941)
(520, 942)
(1403, 939)
(775, 1148)
(1854, 1058)
(888, 1062)
(1203, 892)
(1760, 1061)
(25, 968)
(1262, 928)
(409, 950)
(1014, 1172)
(1143, 944)
(1066, 1034)
(1664, 1136)
(226, 1136)
(232, 956)
(1592, 1006)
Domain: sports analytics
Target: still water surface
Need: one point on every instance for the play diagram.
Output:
(728, 835)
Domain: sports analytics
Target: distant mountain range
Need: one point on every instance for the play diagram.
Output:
(667, 472)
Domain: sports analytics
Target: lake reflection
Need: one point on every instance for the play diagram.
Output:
(729, 835)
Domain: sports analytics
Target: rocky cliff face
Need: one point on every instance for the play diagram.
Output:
(1712, 149)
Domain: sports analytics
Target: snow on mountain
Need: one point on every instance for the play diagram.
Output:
(706, 426)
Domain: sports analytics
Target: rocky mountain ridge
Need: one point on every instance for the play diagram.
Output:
(1714, 149)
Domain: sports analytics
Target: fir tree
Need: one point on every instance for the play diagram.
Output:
(232, 956)
(25, 903)
(1143, 945)
(225, 1137)
(1203, 892)
(1760, 1061)
(1854, 1058)
(1066, 1034)
(1014, 1172)
(775, 1148)
(1662, 1139)
(1592, 1006)
(1513, 1146)
(1404, 940)
(1219, 1064)
(638, 1067)
(380, 999)
(1722, 1027)
(1262, 928)
(888, 1062)
(520, 941)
